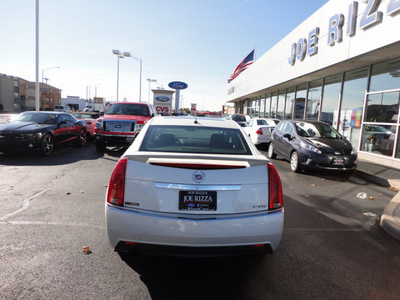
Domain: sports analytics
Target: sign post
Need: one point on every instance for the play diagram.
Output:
(177, 85)
(163, 101)
(193, 108)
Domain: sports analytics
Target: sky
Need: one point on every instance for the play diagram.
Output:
(199, 42)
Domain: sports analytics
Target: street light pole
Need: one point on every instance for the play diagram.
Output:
(119, 55)
(37, 85)
(150, 81)
(46, 70)
(140, 80)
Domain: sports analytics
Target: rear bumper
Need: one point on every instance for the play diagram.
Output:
(170, 234)
(261, 139)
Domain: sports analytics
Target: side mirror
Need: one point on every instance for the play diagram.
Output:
(288, 136)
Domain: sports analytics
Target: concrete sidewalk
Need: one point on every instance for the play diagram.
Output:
(389, 177)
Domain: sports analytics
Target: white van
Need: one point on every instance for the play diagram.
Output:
(63, 108)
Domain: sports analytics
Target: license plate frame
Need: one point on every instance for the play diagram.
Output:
(197, 200)
(338, 161)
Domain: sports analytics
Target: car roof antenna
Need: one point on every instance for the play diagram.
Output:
(195, 116)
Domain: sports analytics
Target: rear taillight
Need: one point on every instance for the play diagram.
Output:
(259, 131)
(275, 194)
(116, 187)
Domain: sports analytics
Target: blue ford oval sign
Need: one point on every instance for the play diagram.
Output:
(162, 99)
(177, 85)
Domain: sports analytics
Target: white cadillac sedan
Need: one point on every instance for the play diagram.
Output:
(194, 187)
(259, 130)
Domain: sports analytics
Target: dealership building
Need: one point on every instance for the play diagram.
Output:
(340, 66)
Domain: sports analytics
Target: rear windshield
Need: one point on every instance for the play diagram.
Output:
(262, 122)
(239, 118)
(128, 109)
(194, 139)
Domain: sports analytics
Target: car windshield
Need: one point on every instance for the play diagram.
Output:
(40, 118)
(195, 139)
(128, 109)
(316, 130)
(239, 118)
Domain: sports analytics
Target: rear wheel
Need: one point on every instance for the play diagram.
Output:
(47, 145)
(294, 162)
(271, 153)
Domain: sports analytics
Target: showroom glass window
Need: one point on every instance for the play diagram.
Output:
(257, 107)
(354, 87)
(382, 110)
(262, 107)
(274, 105)
(330, 99)
(250, 107)
(314, 99)
(301, 93)
(268, 106)
(281, 104)
(289, 101)
(385, 76)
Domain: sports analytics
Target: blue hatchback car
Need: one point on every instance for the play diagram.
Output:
(312, 145)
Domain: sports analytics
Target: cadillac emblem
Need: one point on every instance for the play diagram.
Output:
(198, 176)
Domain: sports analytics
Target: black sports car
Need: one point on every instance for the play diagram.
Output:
(41, 131)
(312, 145)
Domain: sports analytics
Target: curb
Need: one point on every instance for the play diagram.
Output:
(388, 220)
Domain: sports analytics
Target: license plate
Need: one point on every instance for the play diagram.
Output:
(338, 161)
(130, 139)
(198, 200)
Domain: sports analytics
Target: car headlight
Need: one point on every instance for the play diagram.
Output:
(99, 125)
(38, 135)
(310, 147)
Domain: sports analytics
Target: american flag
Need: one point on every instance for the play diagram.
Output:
(242, 66)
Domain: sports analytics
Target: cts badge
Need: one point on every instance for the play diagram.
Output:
(198, 176)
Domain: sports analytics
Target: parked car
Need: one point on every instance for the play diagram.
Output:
(41, 131)
(90, 121)
(190, 186)
(62, 108)
(240, 119)
(312, 145)
(121, 123)
(94, 107)
(259, 130)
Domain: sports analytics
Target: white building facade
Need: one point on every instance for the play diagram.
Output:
(345, 60)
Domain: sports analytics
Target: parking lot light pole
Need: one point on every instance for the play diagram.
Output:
(140, 80)
(119, 55)
(150, 81)
(37, 84)
(46, 70)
